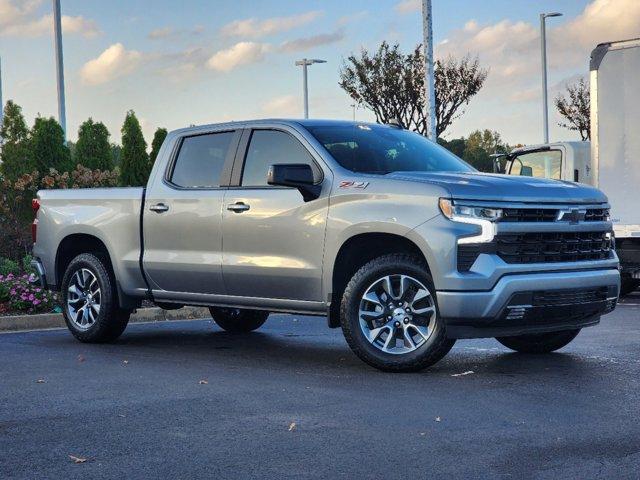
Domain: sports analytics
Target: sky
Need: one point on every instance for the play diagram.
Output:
(196, 62)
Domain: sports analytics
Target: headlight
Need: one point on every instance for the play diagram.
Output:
(484, 217)
(450, 211)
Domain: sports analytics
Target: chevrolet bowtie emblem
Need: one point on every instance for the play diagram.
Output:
(573, 216)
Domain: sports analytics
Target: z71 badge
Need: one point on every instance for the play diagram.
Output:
(348, 184)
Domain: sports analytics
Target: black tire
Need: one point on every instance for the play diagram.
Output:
(237, 320)
(431, 351)
(628, 285)
(541, 342)
(111, 320)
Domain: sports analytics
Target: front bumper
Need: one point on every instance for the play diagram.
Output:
(531, 303)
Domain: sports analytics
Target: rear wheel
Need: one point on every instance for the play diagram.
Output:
(237, 320)
(389, 315)
(539, 343)
(89, 296)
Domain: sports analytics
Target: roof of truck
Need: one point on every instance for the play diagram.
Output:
(575, 144)
(284, 121)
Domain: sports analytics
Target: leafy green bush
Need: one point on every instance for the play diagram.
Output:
(8, 266)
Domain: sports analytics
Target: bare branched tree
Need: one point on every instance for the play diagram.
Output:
(391, 85)
(576, 109)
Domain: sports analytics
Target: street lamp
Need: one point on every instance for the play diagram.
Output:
(304, 63)
(543, 49)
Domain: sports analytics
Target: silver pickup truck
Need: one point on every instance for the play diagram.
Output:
(389, 236)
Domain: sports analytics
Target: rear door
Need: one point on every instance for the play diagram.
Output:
(182, 221)
(273, 239)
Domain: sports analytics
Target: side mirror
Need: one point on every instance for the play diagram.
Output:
(296, 175)
(526, 171)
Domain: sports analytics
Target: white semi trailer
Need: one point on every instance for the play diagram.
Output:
(611, 161)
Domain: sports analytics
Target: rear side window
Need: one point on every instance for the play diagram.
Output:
(200, 160)
(268, 147)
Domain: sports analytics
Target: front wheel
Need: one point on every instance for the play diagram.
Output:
(237, 320)
(389, 315)
(539, 343)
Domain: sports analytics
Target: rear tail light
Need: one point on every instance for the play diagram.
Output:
(35, 205)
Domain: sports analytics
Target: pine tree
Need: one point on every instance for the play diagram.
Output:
(93, 149)
(15, 155)
(135, 161)
(158, 138)
(47, 146)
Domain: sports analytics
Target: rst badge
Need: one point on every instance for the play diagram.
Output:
(348, 184)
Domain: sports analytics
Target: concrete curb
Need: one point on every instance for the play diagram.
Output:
(43, 321)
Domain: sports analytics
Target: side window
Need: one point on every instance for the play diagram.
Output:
(200, 160)
(268, 147)
(545, 164)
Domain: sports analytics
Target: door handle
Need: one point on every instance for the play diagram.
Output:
(238, 207)
(159, 208)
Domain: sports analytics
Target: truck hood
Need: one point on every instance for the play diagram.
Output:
(509, 188)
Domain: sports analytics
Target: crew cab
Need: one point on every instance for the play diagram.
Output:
(389, 236)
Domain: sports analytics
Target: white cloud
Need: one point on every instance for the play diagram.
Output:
(170, 32)
(282, 106)
(20, 21)
(242, 53)
(163, 32)
(307, 43)
(408, 6)
(254, 28)
(114, 62)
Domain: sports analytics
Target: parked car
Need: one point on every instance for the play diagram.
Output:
(391, 237)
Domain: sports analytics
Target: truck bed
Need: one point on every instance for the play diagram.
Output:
(110, 214)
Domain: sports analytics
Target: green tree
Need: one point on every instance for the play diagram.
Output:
(576, 110)
(391, 85)
(116, 154)
(47, 146)
(158, 138)
(480, 145)
(15, 155)
(93, 149)
(455, 146)
(135, 161)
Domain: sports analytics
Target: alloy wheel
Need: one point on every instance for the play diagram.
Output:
(83, 299)
(397, 314)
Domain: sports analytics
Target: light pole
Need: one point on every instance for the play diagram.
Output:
(57, 36)
(429, 87)
(543, 50)
(304, 63)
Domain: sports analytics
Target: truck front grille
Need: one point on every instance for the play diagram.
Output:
(540, 247)
(553, 247)
(536, 215)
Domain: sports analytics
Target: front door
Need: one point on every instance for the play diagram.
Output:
(273, 239)
(182, 221)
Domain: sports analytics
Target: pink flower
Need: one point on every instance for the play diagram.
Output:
(13, 291)
(31, 297)
(36, 302)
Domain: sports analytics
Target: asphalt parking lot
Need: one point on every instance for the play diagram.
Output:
(186, 400)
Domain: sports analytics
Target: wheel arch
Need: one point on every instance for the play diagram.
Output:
(75, 244)
(356, 251)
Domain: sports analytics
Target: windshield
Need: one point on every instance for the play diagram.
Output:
(382, 149)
